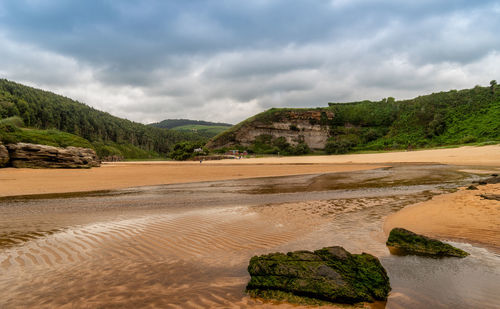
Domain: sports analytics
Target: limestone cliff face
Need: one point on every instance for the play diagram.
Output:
(296, 126)
(43, 156)
(4, 156)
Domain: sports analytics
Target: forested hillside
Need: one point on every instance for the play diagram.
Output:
(444, 118)
(108, 134)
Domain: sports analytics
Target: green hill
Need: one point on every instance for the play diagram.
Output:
(444, 118)
(108, 135)
(174, 123)
(204, 129)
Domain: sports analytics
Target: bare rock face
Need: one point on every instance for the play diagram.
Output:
(4, 156)
(296, 127)
(42, 156)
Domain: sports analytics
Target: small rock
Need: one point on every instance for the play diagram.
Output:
(472, 187)
(404, 242)
(494, 197)
(330, 274)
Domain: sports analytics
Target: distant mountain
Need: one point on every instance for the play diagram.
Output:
(444, 118)
(108, 135)
(173, 123)
(204, 129)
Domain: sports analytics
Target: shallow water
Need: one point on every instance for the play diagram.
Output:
(188, 245)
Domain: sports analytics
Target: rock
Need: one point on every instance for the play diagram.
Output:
(494, 197)
(494, 179)
(43, 156)
(330, 274)
(472, 187)
(307, 126)
(4, 156)
(403, 242)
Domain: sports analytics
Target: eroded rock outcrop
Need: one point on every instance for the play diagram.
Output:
(43, 156)
(403, 242)
(330, 274)
(4, 155)
(295, 126)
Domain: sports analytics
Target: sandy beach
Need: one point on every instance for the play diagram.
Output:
(186, 242)
(125, 175)
(132, 174)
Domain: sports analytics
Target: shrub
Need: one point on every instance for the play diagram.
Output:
(184, 150)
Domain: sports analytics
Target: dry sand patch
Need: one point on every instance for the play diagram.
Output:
(462, 215)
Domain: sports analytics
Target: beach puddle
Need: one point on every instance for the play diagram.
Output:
(188, 246)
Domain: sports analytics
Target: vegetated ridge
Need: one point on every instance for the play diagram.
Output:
(173, 123)
(204, 129)
(444, 118)
(36, 116)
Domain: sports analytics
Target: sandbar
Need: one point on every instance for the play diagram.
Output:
(463, 215)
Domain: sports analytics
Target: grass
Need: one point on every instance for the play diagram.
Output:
(45, 137)
(204, 130)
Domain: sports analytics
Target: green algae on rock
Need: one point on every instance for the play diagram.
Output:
(331, 274)
(404, 242)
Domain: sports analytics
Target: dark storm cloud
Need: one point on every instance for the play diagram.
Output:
(226, 60)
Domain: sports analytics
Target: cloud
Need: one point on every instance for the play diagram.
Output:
(227, 60)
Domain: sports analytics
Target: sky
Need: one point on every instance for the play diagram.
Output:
(223, 60)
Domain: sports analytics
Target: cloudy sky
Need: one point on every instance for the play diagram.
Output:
(227, 60)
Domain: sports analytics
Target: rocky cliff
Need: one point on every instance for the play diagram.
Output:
(4, 156)
(296, 126)
(42, 156)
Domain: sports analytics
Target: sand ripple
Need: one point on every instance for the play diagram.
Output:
(189, 260)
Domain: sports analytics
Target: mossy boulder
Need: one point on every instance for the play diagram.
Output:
(404, 242)
(331, 274)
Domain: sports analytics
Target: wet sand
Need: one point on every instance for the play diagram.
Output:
(133, 174)
(188, 245)
(462, 215)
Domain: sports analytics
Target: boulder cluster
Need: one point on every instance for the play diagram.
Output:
(332, 274)
(25, 155)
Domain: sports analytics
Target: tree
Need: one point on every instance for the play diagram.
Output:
(493, 84)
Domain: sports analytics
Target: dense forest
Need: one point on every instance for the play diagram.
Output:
(45, 114)
(446, 118)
